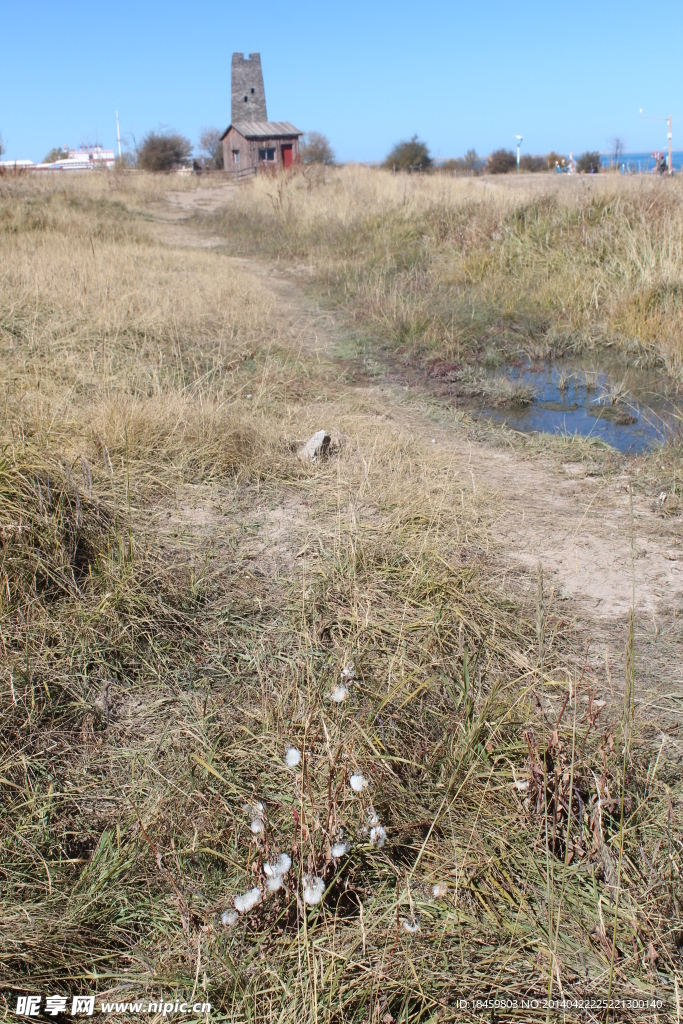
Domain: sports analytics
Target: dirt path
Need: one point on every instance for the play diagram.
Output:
(577, 525)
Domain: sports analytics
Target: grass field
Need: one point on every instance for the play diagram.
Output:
(480, 815)
(483, 267)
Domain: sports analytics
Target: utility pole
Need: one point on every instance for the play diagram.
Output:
(649, 117)
(118, 133)
(520, 140)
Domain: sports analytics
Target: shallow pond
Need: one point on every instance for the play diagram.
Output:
(629, 408)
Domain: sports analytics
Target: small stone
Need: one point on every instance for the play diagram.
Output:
(316, 448)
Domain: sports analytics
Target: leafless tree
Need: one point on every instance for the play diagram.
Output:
(316, 149)
(210, 144)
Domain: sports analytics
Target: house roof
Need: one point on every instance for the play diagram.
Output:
(262, 129)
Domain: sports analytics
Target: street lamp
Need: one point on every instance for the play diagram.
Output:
(649, 117)
(520, 140)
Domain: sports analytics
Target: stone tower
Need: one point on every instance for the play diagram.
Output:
(248, 94)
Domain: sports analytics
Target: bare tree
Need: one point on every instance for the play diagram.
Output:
(617, 149)
(210, 144)
(2, 148)
(316, 149)
(470, 160)
(163, 151)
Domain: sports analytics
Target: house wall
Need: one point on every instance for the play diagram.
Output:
(249, 149)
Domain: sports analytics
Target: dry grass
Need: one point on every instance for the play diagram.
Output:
(459, 268)
(179, 597)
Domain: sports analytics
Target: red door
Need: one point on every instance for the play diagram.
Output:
(287, 156)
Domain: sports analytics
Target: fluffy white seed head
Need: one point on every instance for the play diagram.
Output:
(274, 883)
(339, 849)
(378, 835)
(339, 694)
(348, 672)
(314, 888)
(372, 816)
(292, 757)
(358, 783)
(256, 826)
(247, 902)
(280, 867)
(410, 926)
(440, 890)
(229, 918)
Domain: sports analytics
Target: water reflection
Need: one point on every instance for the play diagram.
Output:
(630, 408)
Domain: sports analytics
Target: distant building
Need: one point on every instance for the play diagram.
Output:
(87, 158)
(251, 142)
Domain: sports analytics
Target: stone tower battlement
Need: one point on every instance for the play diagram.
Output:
(248, 92)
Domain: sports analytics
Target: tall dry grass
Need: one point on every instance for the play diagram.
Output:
(455, 268)
(179, 597)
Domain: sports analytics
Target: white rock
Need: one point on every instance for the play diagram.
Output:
(316, 447)
(247, 902)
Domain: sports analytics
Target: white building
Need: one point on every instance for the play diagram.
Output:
(87, 158)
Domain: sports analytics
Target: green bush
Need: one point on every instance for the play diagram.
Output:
(501, 161)
(163, 151)
(588, 162)
(409, 154)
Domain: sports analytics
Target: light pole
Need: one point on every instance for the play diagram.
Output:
(649, 117)
(520, 140)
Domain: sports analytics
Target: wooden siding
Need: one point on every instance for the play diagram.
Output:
(249, 149)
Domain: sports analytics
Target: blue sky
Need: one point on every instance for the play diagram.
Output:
(564, 75)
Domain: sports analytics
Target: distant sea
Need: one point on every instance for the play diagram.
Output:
(641, 162)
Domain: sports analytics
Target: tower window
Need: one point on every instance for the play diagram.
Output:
(252, 92)
(245, 99)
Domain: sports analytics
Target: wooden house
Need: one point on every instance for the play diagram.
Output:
(253, 146)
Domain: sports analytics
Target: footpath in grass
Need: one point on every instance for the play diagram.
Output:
(275, 736)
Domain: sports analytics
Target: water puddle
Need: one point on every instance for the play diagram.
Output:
(629, 408)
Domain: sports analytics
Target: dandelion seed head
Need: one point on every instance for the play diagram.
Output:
(292, 757)
(440, 890)
(339, 694)
(358, 783)
(411, 927)
(378, 835)
(247, 902)
(229, 918)
(256, 826)
(280, 867)
(284, 863)
(314, 888)
(274, 883)
(339, 849)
